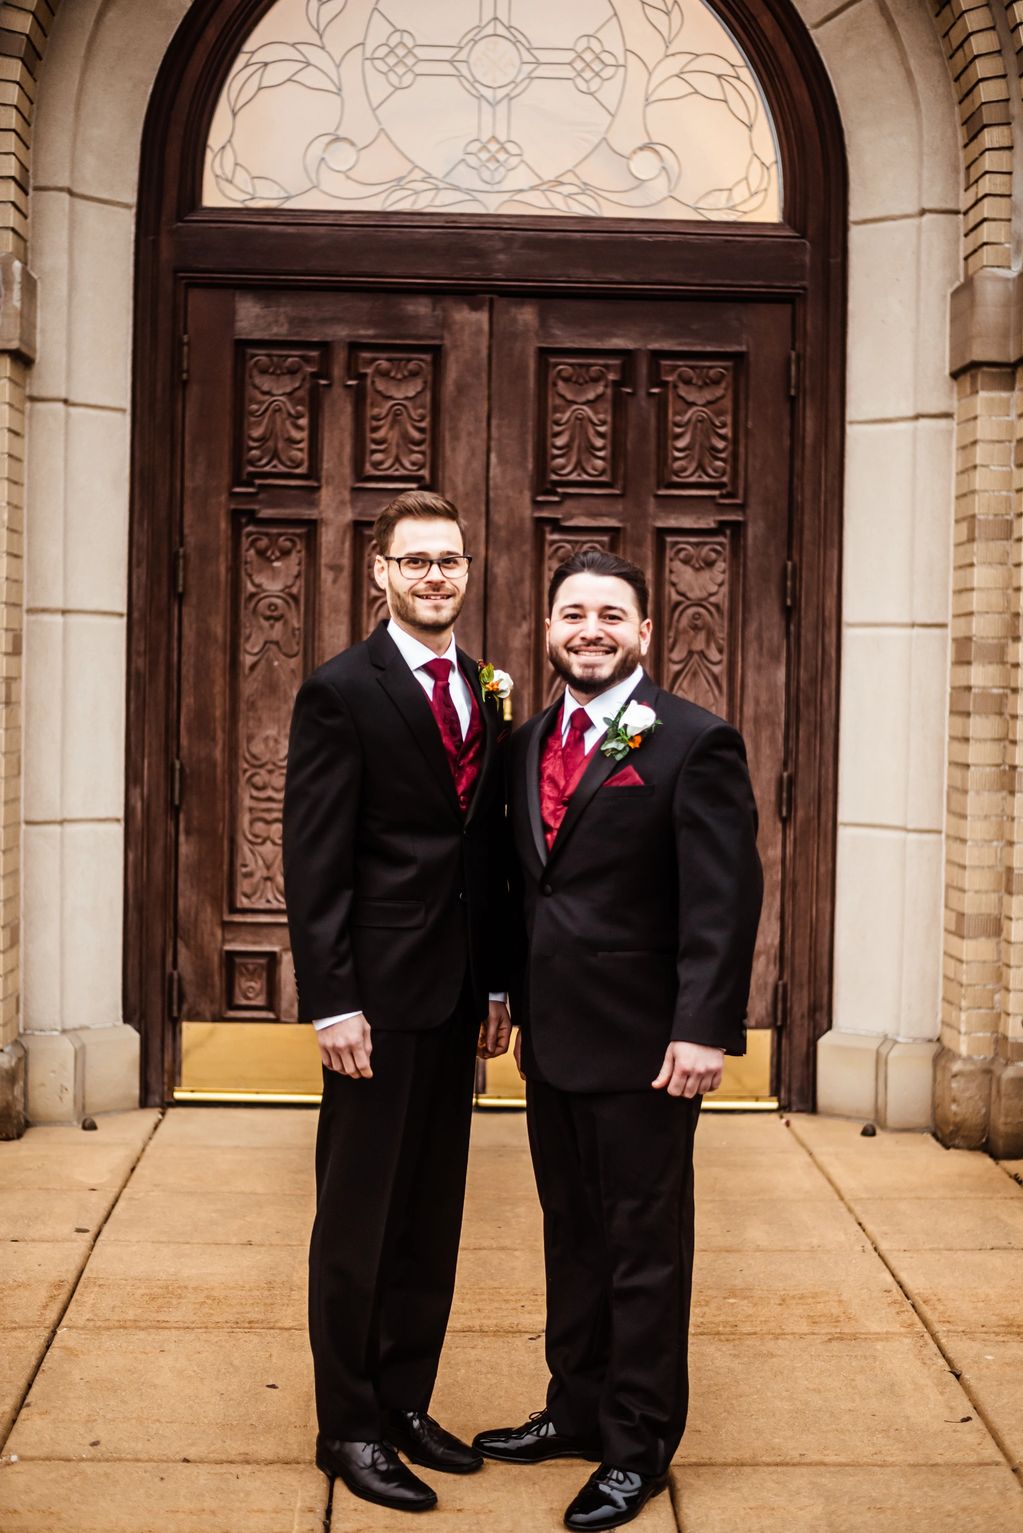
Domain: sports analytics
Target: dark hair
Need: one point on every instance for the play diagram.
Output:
(597, 561)
(413, 503)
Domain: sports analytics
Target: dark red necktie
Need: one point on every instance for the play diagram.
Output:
(573, 749)
(443, 706)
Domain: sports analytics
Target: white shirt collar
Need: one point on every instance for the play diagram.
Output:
(605, 705)
(414, 652)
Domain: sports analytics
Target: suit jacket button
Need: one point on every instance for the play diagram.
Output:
(547, 889)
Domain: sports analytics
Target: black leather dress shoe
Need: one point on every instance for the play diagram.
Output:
(537, 1440)
(375, 1472)
(612, 1496)
(425, 1442)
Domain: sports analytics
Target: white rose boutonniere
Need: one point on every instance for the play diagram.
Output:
(495, 683)
(628, 729)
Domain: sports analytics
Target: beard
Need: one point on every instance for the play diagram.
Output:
(428, 616)
(590, 675)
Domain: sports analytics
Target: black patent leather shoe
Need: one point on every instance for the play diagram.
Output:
(537, 1440)
(425, 1442)
(374, 1471)
(612, 1497)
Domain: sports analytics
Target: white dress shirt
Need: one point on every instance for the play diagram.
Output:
(416, 656)
(600, 708)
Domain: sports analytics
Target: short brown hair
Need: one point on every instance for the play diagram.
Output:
(413, 503)
(597, 561)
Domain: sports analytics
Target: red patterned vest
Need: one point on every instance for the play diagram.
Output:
(555, 792)
(467, 760)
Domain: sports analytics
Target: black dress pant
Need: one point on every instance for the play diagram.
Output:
(614, 1171)
(391, 1157)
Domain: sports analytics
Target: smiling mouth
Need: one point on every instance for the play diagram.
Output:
(590, 653)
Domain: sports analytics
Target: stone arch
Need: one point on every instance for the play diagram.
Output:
(893, 90)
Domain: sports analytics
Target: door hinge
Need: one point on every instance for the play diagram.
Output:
(177, 783)
(793, 373)
(781, 1004)
(785, 795)
(179, 572)
(174, 995)
(791, 584)
(186, 350)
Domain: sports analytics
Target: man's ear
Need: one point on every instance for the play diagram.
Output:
(646, 633)
(380, 571)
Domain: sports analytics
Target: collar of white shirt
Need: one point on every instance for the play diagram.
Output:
(602, 707)
(415, 653)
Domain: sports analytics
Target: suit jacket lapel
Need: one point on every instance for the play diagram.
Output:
(489, 720)
(541, 727)
(598, 771)
(413, 705)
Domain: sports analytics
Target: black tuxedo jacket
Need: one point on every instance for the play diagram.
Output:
(638, 927)
(393, 895)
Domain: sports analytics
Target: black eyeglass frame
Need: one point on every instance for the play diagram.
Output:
(399, 560)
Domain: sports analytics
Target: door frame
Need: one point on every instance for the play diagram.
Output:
(801, 262)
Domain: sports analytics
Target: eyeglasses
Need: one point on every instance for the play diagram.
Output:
(415, 566)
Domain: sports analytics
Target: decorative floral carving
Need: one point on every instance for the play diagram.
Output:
(560, 544)
(279, 402)
(395, 414)
(370, 605)
(608, 108)
(699, 429)
(696, 619)
(581, 425)
(250, 984)
(271, 639)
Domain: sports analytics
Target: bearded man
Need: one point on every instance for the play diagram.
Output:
(393, 829)
(639, 889)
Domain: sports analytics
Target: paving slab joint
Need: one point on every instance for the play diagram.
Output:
(992, 1430)
(69, 1297)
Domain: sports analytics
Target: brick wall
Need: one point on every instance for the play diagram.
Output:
(24, 27)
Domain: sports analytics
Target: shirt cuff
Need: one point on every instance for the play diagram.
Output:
(499, 995)
(322, 1022)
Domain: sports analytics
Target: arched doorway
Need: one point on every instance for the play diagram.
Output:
(664, 378)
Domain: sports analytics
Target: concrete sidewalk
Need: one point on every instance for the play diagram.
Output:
(857, 1354)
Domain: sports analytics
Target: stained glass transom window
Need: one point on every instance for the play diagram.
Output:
(606, 108)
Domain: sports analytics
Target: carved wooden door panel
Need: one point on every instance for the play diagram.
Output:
(304, 413)
(659, 430)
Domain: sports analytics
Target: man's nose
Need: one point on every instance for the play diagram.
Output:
(593, 627)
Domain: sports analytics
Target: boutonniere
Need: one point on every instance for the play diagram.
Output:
(496, 684)
(628, 729)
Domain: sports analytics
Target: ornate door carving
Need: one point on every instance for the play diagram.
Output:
(659, 430)
(305, 413)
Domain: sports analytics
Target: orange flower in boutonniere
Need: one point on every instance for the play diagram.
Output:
(628, 729)
(496, 684)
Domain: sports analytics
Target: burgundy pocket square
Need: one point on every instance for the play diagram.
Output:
(627, 778)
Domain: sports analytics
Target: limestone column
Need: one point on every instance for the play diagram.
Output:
(978, 1076)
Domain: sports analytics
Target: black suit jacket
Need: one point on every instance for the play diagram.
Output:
(638, 927)
(392, 895)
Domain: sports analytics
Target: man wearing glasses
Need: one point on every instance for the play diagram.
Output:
(393, 816)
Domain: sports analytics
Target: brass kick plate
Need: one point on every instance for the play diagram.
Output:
(279, 1062)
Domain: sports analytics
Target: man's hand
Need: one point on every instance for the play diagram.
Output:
(346, 1047)
(495, 1032)
(690, 1069)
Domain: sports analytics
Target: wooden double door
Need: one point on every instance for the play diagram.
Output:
(657, 428)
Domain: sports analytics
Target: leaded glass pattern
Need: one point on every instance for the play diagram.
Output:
(603, 108)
